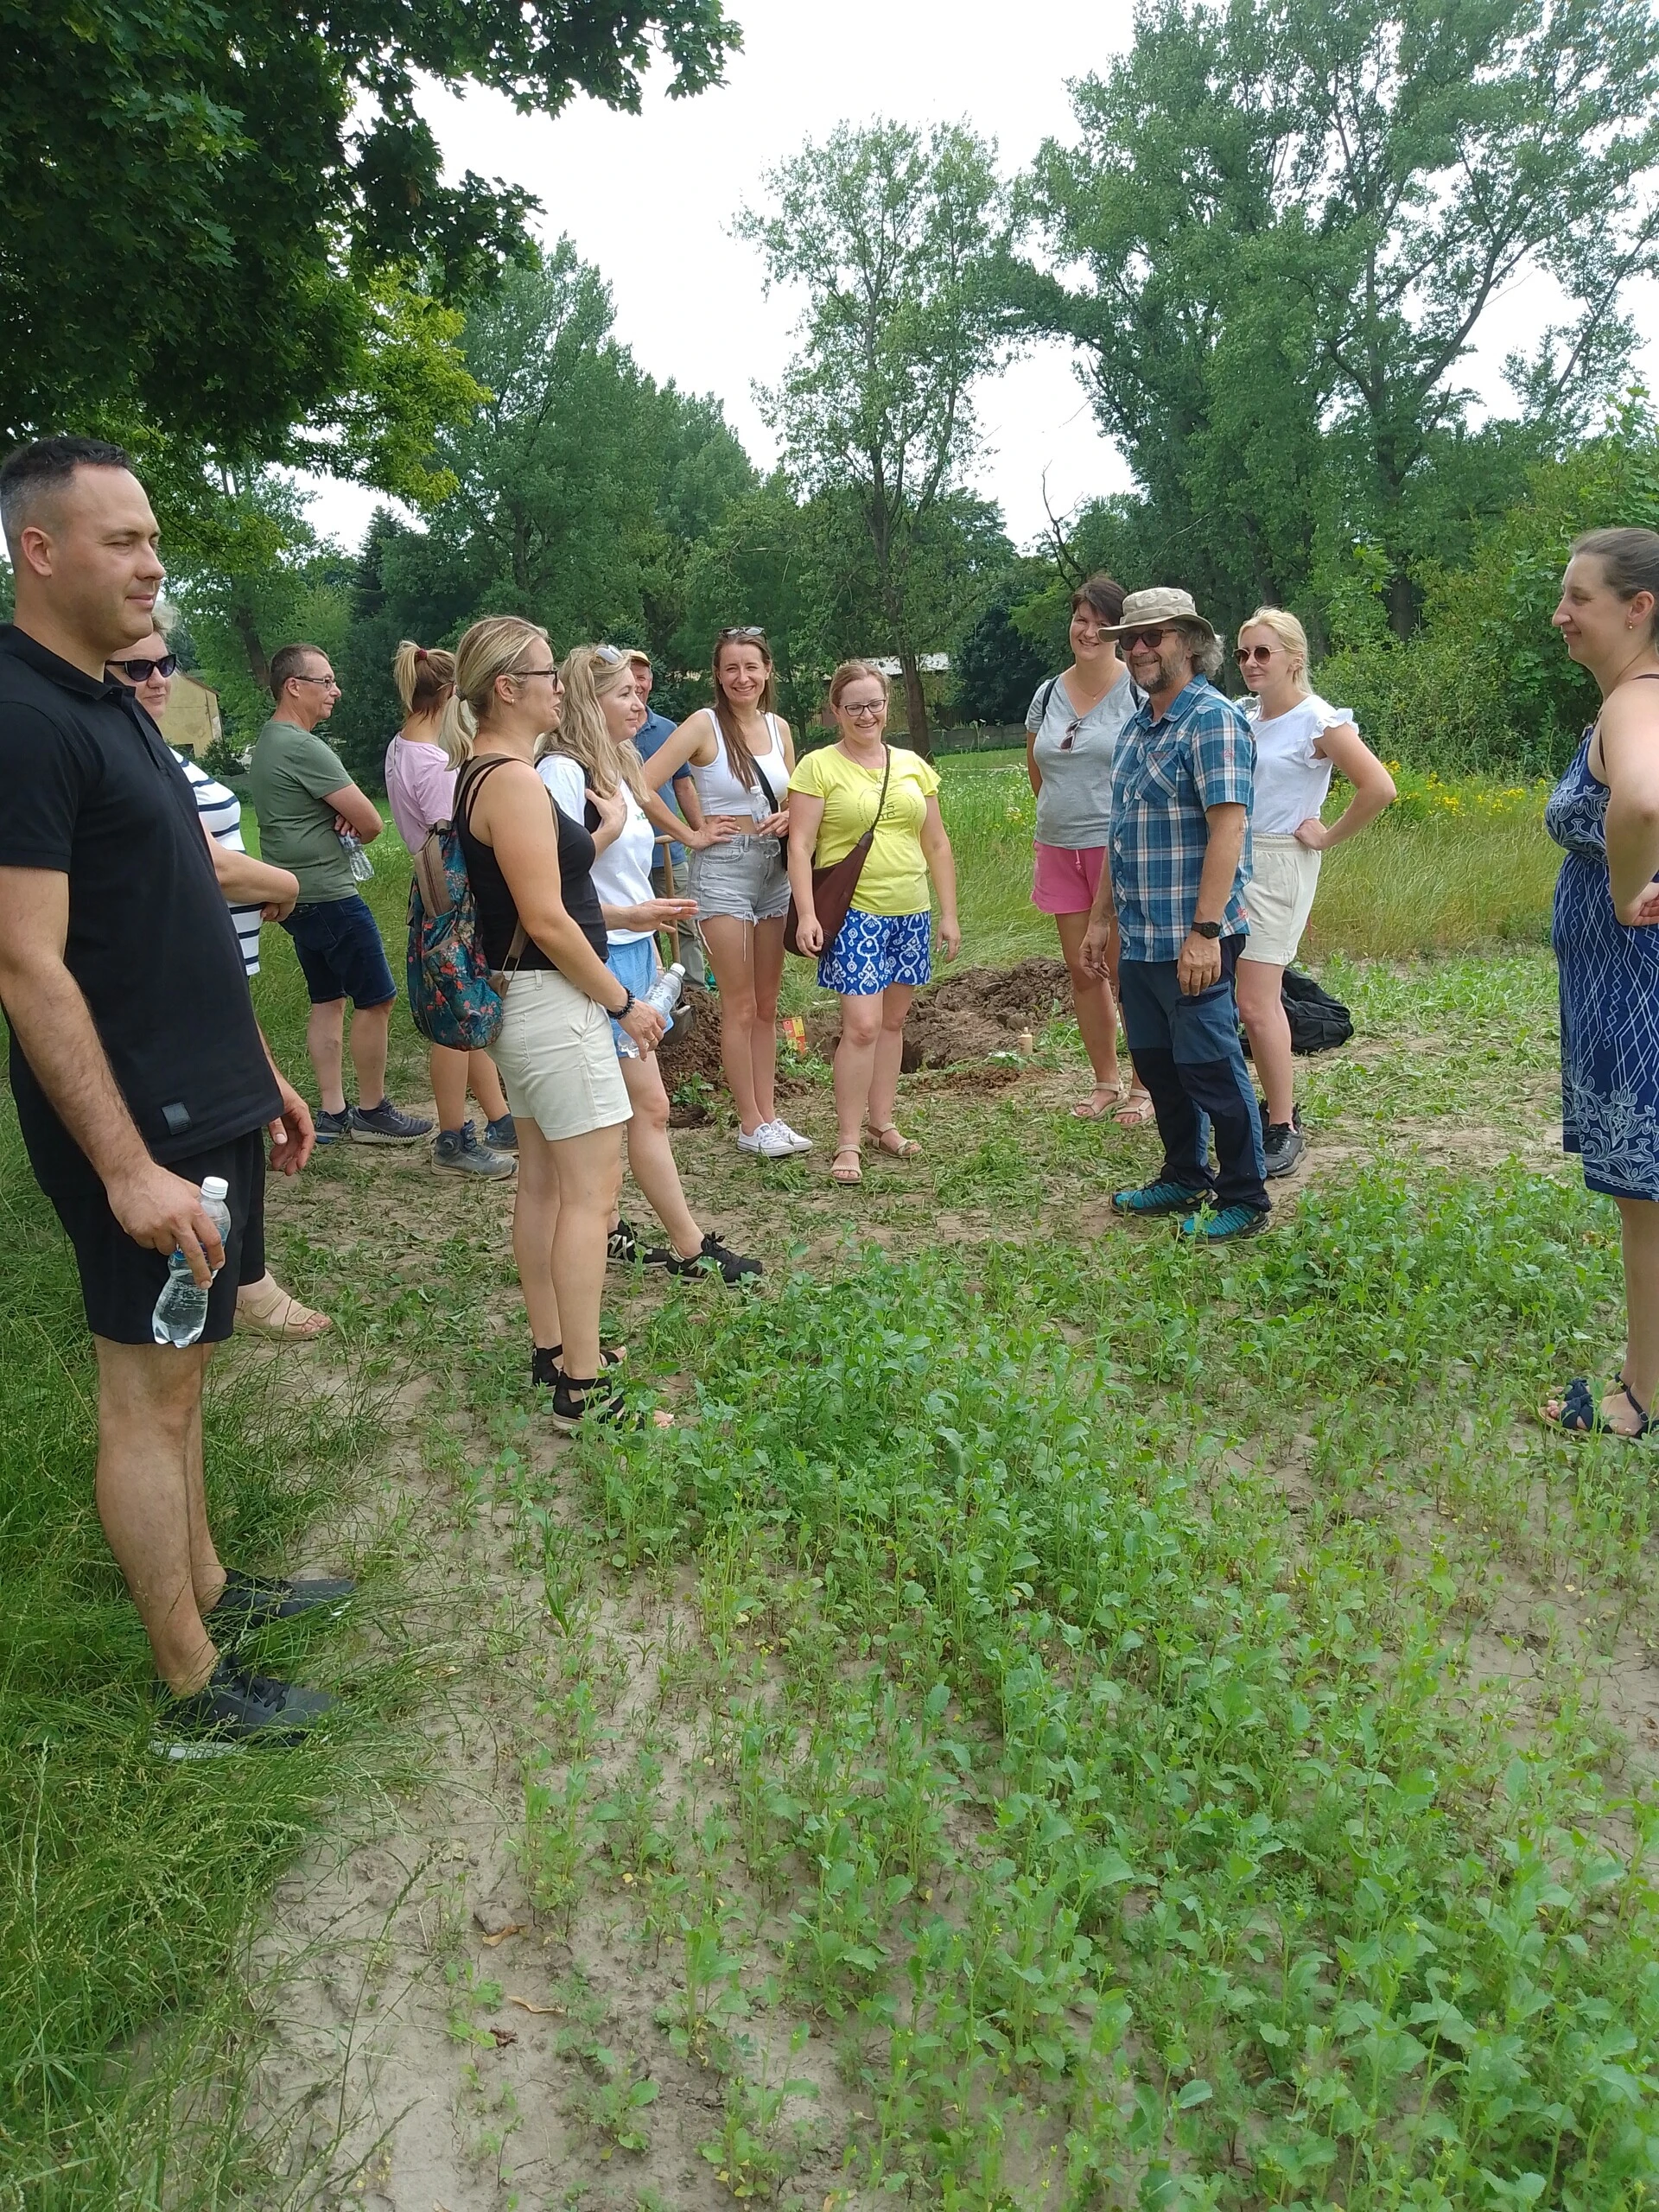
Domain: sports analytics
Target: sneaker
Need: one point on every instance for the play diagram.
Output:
(1230, 1221)
(715, 1259)
(331, 1128)
(767, 1143)
(544, 1363)
(458, 1151)
(249, 1601)
(1162, 1197)
(1282, 1146)
(797, 1142)
(576, 1402)
(501, 1135)
(234, 1708)
(622, 1245)
(383, 1124)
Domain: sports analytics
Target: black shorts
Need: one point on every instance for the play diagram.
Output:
(341, 955)
(120, 1281)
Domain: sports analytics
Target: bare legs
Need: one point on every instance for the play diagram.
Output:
(748, 963)
(650, 1156)
(1640, 1220)
(867, 1061)
(325, 1040)
(565, 1202)
(455, 1073)
(1261, 1008)
(150, 1499)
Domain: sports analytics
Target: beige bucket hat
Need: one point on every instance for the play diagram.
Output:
(1163, 603)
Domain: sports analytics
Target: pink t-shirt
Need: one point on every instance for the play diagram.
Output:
(420, 786)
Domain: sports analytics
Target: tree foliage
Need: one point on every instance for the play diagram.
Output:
(899, 240)
(1291, 217)
(213, 216)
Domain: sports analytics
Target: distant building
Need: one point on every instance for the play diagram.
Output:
(190, 720)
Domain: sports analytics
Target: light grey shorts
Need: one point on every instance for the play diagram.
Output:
(557, 1062)
(746, 878)
(1279, 898)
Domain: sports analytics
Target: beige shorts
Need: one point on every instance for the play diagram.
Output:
(1279, 898)
(556, 1058)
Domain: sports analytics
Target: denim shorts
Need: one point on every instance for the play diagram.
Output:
(745, 878)
(636, 966)
(341, 955)
(872, 951)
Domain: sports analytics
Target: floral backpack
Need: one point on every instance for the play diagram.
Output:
(455, 996)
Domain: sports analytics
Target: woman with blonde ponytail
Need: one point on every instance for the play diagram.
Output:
(591, 757)
(421, 764)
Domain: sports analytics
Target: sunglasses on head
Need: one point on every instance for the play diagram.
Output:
(140, 671)
(1259, 654)
(1151, 639)
(608, 654)
(726, 636)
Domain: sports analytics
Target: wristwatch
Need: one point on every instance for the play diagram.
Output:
(1206, 929)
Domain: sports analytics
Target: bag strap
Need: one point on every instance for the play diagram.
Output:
(887, 774)
(472, 775)
(765, 785)
(1043, 698)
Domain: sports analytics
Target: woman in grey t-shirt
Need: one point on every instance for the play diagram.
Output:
(1072, 731)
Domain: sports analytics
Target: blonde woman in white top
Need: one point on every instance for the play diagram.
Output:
(1298, 740)
(741, 757)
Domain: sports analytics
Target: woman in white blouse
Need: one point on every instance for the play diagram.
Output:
(1299, 739)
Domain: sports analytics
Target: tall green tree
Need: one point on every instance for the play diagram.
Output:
(899, 239)
(1294, 216)
(210, 212)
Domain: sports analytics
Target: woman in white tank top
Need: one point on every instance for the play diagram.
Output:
(1299, 739)
(742, 756)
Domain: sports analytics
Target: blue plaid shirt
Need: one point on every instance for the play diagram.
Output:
(1200, 752)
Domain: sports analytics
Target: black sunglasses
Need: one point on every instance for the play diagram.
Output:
(1151, 639)
(140, 671)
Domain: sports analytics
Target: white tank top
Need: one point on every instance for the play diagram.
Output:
(718, 788)
(1292, 780)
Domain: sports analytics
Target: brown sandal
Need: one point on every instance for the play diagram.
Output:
(904, 1148)
(277, 1314)
(839, 1174)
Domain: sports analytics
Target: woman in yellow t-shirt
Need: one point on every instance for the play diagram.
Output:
(881, 953)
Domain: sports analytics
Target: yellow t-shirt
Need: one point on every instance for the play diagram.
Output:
(894, 876)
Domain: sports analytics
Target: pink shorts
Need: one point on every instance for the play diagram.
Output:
(1066, 880)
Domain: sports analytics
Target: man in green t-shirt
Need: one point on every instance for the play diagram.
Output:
(308, 806)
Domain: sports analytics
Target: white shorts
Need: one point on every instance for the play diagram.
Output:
(558, 1064)
(1279, 898)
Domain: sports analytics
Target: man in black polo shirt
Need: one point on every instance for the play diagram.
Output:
(136, 1065)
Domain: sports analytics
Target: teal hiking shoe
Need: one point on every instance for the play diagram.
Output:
(1157, 1197)
(1231, 1221)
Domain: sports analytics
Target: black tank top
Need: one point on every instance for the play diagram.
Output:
(498, 917)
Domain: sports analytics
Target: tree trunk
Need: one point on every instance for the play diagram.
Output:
(918, 738)
(244, 623)
(1404, 605)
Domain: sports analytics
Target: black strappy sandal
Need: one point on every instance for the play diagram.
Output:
(1581, 1416)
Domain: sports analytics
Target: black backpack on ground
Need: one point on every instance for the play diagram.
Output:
(1317, 1022)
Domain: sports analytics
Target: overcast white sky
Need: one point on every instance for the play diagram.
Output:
(649, 200)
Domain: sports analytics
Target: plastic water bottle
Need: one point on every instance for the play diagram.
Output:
(664, 994)
(351, 846)
(181, 1313)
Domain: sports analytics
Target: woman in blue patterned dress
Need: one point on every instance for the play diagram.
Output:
(1605, 814)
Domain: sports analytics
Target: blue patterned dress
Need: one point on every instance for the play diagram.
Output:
(1610, 1001)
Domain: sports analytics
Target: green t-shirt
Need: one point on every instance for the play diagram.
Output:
(290, 776)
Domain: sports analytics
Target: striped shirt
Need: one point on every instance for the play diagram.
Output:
(221, 813)
(1198, 754)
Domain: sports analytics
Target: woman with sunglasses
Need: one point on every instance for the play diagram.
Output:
(256, 892)
(1072, 730)
(880, 957)
(1299, 739)
(741, 757)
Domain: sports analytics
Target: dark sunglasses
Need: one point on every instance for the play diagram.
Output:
(1072, 729)
(140, 671)
(1259, 654)
(1151, 638)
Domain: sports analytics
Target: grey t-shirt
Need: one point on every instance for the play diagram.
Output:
(1074, 807)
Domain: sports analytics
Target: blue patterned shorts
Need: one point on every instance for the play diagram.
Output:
(872, 950)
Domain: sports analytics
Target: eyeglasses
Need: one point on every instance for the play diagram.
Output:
(1259, 654)
(525, 675)
(1151, 638)
(867, 710)
(140, 671)
(327, 680)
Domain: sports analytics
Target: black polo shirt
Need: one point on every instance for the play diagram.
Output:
(89, 790)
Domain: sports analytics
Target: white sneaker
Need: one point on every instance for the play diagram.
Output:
(797, 1141)
(768, 1141)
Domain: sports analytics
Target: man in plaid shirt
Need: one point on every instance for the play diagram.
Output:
(1182, 785)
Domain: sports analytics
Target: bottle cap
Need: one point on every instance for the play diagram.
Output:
(678, 968)
(214, 1187)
